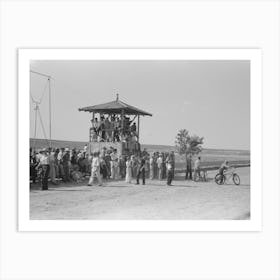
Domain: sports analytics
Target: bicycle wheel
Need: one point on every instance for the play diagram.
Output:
(196, 178)
(220, 179)
(236, 179)
(205, 176)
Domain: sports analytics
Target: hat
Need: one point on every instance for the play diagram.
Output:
(66, 149)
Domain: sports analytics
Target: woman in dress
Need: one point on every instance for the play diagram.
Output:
(128, 176)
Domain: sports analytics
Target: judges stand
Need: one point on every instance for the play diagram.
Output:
(129, 137)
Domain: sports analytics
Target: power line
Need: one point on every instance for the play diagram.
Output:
(41, 74)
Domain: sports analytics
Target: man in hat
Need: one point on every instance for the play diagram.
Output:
(169, 172)
(141, 171)
(44, 164)
(66, 163)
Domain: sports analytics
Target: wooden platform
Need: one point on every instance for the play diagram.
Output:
(98, 146)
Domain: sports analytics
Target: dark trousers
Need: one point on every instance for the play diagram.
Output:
(45, 176)
(33, 173)
(189, 173)
(169, 177)
(66, 173)
(141, 172)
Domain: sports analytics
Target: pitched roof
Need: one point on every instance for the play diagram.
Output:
(115, 107)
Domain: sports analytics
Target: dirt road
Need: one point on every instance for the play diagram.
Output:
(155, 200)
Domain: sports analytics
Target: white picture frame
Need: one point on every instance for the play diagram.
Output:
(252, 55)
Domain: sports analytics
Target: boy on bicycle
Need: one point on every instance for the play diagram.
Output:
(225, 166)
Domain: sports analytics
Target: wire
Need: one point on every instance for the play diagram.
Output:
(42, 126)
(42, 96)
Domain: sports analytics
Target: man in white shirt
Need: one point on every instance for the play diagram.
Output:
(152, 163)
(45, 165)
(160, 166)
(95, 170)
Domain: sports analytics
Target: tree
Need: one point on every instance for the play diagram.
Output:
(188, 144)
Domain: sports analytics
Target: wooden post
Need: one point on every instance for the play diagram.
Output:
(92, 118)
(50, 113)
(138, 129)
(91, 130)
(122, 120)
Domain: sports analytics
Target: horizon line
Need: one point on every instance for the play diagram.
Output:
(207, 148)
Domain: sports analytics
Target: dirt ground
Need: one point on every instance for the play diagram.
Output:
(119, 200)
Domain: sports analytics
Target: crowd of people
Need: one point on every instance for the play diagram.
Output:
(111, 129)
(65, 165)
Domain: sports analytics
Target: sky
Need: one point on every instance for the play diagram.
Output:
(208, 98)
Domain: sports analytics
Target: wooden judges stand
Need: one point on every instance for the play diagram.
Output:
(121, 110)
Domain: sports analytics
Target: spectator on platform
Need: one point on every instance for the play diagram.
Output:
(102, 132)
(133, 128)
(107, 130)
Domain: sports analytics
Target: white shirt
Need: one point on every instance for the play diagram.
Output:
(197, 164)
(169, 166)
(44, 159)
(59, 156)
(159, 161)
(114, 157)
(95, 163)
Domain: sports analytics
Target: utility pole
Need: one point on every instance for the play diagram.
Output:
(50, 105)
(50, 113)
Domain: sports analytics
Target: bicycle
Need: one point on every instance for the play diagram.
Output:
(200, 175)
(229, 174)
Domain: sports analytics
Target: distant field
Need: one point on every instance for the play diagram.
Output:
(208, 156)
